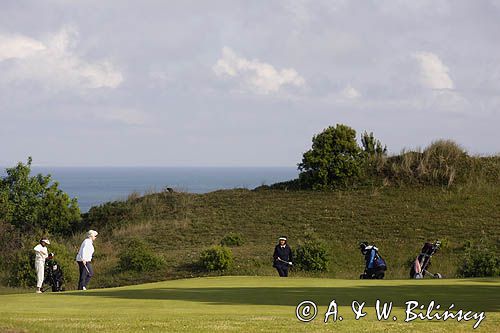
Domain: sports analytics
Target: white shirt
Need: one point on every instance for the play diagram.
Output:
(41, 252)
(86, 250)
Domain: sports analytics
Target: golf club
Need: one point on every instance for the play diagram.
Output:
(288, 262)
(86, 268)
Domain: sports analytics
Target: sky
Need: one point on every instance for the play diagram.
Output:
(242, 83)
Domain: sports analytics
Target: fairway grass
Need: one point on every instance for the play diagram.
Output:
(247, 304)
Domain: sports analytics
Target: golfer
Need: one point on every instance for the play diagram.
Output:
(84, 258)
(282, 257)
(41, 254)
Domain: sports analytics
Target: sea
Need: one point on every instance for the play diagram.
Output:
(93, 186)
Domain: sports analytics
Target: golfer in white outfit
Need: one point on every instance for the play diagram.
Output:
(84, 258)
(41, 254)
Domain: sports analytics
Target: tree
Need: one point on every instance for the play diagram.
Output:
(375, 156)
(372, 146)
(35, 202)
(334, 160)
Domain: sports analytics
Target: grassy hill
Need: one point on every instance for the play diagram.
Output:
(397, 202)
(250, 304)
(178, 226)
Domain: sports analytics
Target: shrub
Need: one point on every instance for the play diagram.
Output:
(232, 239)
(479, 261)
(22, 269)
(334, 160)
(11, 239)
(216, 258)
(311, 256)
(137, 256)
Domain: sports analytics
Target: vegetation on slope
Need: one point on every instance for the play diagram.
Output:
(397, 202)
(179, 226)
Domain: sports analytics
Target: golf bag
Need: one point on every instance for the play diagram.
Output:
(375, 265)
(423, 261)
(53, 274)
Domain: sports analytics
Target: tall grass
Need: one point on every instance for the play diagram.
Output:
(442, 163)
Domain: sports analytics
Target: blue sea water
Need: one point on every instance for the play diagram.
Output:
(95, 185)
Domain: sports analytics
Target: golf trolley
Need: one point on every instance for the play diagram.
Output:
(53, 275)
(423, 261)
(375, 265)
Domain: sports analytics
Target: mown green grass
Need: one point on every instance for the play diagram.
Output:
(246, 304)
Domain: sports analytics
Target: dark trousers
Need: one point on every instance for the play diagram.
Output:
(84, 274)
(282, 270)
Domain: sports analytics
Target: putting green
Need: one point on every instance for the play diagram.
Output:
(250, 304)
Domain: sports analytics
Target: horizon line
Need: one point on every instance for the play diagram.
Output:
(152, 166)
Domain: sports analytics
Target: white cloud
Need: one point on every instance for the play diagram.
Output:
(350, 92)
(54, 63)
(433, 72)
(20, 47)
(347, 96)
(259, 77)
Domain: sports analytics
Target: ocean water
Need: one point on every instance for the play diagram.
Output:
(95, 185)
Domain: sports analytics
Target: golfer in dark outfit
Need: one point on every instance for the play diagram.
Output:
(282, 257)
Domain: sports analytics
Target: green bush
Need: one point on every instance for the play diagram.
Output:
(479, 261)
(137, 256)
(311, 256)
(232, 239)
(334, 160)
(22, 269)
(11, 239)
(216, 258)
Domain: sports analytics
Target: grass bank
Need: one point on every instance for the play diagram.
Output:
(178, 226)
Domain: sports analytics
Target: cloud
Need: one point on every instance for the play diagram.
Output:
(433, 72)
(346, 96)
(54, 63)
(259, 77)
(350, 92)
(20, 47)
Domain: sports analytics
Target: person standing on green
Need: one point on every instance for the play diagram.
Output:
(282, 257)
(84, 258)
(41, 254)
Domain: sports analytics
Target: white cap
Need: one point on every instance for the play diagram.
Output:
(92, 233)
(45, 240)
(282, 238)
